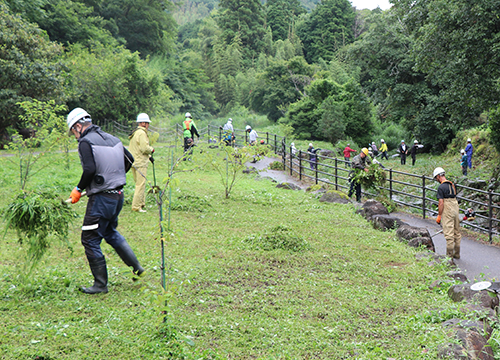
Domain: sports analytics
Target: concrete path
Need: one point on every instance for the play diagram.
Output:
(479, 261)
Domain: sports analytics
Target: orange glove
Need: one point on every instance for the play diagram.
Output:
(75, 195)
(438, 219)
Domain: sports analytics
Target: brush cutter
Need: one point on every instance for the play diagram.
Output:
(155, 189)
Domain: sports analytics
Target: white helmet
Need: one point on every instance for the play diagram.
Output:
(468, 140)
(382, 140)
(248, 127)
(415, 142)
(143, 117)
(310, 144)
(292, 144)
(373, 142)
(462, 151)
(76, 115)
(438, 171)
(230, 120)
(188, 115)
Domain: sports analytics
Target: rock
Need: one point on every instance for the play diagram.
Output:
(472, 341)
(463, 292)
(458, 275)
(371, 208)
(386, 222)
(334, 197)
(478, 184)
(288, 186)
(425, 242)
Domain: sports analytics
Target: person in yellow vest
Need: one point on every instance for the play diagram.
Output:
(142, 153)
(448, 213)
(189, 131)
(383, 149)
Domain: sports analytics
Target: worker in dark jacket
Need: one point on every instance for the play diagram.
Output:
(104, 161)
(403, 151)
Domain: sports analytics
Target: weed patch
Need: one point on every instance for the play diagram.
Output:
(191, 203)
(278, 238)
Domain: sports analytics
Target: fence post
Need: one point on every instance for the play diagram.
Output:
(336, 174)
(291, 161)
(390, 184)
(490, 216)
(274, 143)
(300, 164)
(267, 138)
(316, 168)
(423, 196)
(208, 131)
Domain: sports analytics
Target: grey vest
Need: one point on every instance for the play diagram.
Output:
(109, 160)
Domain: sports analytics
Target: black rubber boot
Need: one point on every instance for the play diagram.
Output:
(100, 272)
(126, 253)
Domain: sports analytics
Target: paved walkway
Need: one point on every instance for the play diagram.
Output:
(479, 261)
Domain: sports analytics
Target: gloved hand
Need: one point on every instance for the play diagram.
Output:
(152, 159)
(152, 152)
(75, 195)
(438, 219)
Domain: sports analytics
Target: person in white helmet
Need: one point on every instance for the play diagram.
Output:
(448, 213)
(105, 162)
(469, 149)
(190, 131)
(252, 136)
(374, 149)
(383, 149)
(228, 132)
(413, 152)
(142, 152)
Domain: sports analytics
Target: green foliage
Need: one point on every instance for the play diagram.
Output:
(49, 129)
(276, 165)
(280, 237)
(35, 216)
(69, 22)
(242, 20)
(281, 17)
(331, 112)
(112, 83)
(30, 67)
(147, 26)
(456, 45)
(328, 28)
(494, 117)
(374, 178)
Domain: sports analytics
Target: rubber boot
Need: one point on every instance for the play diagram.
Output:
(126, 253)
(456, 255)
(449, 251)
(100, 272)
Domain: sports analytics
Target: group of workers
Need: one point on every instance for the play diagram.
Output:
(105, 162)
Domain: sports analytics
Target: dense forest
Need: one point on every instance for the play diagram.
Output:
(320, 69)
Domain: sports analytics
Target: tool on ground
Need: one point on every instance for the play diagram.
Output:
(83, 194)
(155, 189)
(439, 232)
(492, 288)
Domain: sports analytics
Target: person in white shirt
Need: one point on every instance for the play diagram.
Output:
(252, 137)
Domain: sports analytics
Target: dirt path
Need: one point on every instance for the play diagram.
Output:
(479, 261)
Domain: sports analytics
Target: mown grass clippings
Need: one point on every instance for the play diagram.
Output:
(278, 238)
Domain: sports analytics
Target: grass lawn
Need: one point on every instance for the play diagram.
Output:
(331, 287)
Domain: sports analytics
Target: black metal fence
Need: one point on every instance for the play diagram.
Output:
(412, 190)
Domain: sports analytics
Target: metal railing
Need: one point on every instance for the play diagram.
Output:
(402, 188)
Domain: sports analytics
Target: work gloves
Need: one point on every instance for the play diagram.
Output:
(438, 219)
(75, 195)
(152, 159)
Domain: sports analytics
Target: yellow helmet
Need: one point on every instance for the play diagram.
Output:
(365, 151)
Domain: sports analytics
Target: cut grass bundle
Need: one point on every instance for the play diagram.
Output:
(35, 216)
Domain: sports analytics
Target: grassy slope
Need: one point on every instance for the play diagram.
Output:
(356, 293)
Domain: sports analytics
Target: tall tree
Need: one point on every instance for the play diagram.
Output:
(456, 44)
(329, 27)
(243, 19)
(146, 25)
(30, 66)
(281, 16)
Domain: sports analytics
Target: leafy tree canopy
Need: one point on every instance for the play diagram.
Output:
(30, 66)
(328, 28)
(281, 15)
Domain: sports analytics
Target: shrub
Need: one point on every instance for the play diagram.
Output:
(279, 237)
